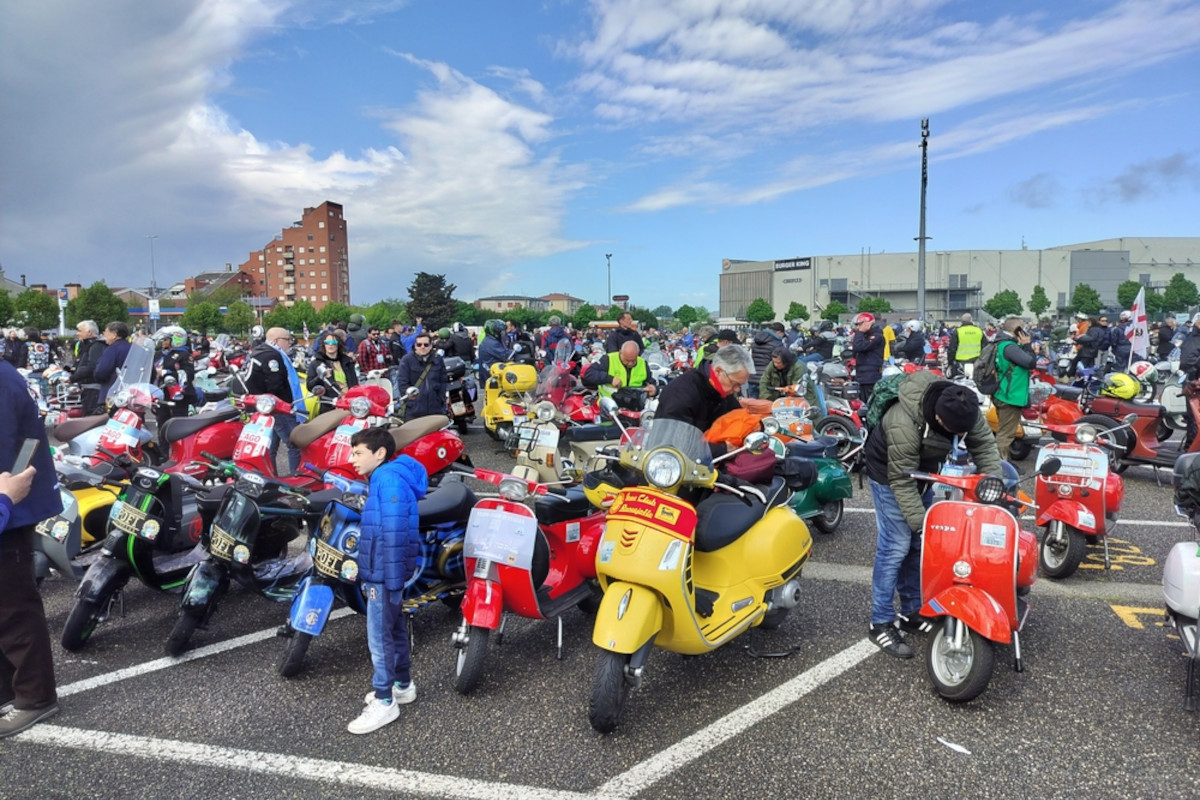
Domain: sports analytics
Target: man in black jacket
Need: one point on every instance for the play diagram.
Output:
(868, 354)
(626, 331)
(88, 349)
(761, 348)
(270, 371)
(1166, 336)
(1189, 362)
(700, 395)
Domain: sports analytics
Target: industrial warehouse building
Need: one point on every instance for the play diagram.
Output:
(956, 281)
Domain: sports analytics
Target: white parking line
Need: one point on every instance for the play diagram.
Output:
(168, 661)
(644, 775)
(313, 769)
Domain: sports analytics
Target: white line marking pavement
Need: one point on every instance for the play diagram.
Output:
(285, 766)
(645, 774)
(168, 661)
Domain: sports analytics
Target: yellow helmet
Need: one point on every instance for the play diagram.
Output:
(1121, 386)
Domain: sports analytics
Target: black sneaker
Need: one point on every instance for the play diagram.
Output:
(888, 639)
(916, 623)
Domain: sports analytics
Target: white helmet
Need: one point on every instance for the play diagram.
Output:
(1125, 316)
(914, 325)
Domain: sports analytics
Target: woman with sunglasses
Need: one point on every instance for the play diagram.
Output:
(423, 368)
(340, 371)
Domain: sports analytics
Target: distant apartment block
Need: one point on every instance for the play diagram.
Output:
(507, 302)
(308, 261)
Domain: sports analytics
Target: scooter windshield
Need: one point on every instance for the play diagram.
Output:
(137, 369)
(687, 439)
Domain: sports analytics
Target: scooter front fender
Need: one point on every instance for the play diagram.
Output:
(102, 579)
(483, 604)
(629, 616)
(204, 585)
(1069, 512)
(974, 607)
(311, 607)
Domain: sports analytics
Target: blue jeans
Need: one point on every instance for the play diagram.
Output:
(387, 638)
(897, 559)
(284, 425)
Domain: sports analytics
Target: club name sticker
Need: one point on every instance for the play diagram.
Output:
(657, 510)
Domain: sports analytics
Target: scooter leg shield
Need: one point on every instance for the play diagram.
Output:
(204, 585)
(629, 616)
(311, 607)
(974, 607)
(483, 604)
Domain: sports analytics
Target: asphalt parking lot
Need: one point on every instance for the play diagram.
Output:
(1098, 711)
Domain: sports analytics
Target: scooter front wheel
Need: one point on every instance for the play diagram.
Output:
(291, 661)
(1063, 547)
(469, 668)
(610, 691)
(960, 661)
(80, 624)
(181, 634)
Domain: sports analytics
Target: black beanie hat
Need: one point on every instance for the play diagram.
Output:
(958, 408)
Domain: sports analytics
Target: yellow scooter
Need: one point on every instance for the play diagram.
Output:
(687, 569)
(507, 385)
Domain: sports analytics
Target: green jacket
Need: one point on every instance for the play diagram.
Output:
(772, 379)
(912, 445)
(1014, 388)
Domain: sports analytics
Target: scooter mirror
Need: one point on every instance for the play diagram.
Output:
(322, 370)
(608, 406)
(318, 391)
(757, 442)
(1129, 419)
(1049, 467)
(411, 393)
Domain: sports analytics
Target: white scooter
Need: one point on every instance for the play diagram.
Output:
(1181, 573)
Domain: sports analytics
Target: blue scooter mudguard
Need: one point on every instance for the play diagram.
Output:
(204, 585)
(310, 609)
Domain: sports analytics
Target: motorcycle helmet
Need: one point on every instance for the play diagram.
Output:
(826, 326)
(914, 325)
(1145, 372)
(494, 328)
(356, 322)
(864, 317)
(1120, 386)
(443, 333)
(460, 328)
(1125, 316)
(55, 374)
(175, 335)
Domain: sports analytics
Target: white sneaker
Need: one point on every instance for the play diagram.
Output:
(374, 716)
(401, 696)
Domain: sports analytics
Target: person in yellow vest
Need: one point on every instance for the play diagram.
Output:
(966, 342)
(624, 368)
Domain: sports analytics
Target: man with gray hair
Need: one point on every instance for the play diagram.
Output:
(700, 395)
(554, 335)
(89, 347)
(966, 343)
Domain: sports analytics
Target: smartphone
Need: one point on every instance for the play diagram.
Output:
(25, 456)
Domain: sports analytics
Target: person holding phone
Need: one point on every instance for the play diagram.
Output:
(28, 495)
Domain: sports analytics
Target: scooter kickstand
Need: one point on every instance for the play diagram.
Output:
(1018, 664)
(1107, 564)
(559, 638)
(500, 630)
(753, 651)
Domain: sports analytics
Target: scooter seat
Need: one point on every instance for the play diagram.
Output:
(554, 508)
(178, 428)
(451, 502)
(818, 447)
(414, 429)
(722, 518)
(1068, 392)
(73, 427)
(591, 433)
(318, 500)
(308, 432)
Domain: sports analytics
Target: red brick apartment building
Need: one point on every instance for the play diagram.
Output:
(308, 261)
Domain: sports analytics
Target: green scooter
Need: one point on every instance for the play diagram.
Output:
(823, 504)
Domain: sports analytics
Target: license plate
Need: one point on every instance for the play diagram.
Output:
(126, 518)
(458, 408)
(328, 560)
(221, 544)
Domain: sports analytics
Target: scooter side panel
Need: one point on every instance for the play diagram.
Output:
(311, 607)
(976, 608)
(759, 558)
(629, 616)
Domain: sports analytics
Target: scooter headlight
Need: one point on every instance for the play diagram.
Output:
(664, 469)
(1086, 434)
(962, 569)
(360, 407)
(264, 404)
(514, 489)
(122, 399)
(241, 554)
(349, 571)
(989, 489)
(770, 426)
(544, 411)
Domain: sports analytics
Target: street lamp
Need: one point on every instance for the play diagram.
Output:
(608, 258)
(921, 237)
(153, 282)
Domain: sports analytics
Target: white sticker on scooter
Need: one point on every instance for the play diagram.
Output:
(572, 531)
(1085, 519)
(992, 535)
(606, 551)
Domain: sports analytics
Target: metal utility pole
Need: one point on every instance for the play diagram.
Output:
(153, 282)
(921, 237)
(608, 258)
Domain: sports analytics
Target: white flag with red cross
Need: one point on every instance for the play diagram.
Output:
(1138, 333)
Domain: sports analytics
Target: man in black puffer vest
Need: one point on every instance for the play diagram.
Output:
(761, 348)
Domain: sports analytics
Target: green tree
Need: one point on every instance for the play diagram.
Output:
(432, 299)
(703, 315)
(382, 313)
(614, 311)
(645, 316)
(759, 312)
(6, 307)
(1180, 294)
(585, 315)
(1004, 304)
(1154, 303)
(663, 312)
(1038, 301)
(203, 316)
(1127, 293)
(796, 311)
(1085, 299)
(333, 312)
(281, 317)
(35, 308)
(97, 303)
(685, 314)
(835, 309)
(304, 313)
(468, 314)
(875, 305)
(239, 318)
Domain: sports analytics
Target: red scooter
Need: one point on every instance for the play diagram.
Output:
(1076, 503)
(535, 564)
(976, 566)
(1137, 428)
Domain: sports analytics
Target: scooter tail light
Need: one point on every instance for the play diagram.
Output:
(962, 569)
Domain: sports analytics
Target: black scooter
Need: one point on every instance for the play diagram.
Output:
(461, 392)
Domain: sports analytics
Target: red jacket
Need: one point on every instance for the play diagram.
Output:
(373, 354)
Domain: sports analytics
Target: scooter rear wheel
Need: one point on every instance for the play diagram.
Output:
(959, 674)
(1060, 559)
(469, 668)
(839, 428)
(1020, 449)
(610, 691)
(830, 517)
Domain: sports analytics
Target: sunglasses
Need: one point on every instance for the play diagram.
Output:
(331, 341)
(423, 344)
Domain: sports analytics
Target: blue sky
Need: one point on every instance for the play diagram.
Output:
(510, 145)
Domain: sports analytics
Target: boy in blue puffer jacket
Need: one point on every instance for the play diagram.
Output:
(388, 549)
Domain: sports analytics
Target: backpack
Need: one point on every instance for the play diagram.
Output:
(885, 393)
(987, 379)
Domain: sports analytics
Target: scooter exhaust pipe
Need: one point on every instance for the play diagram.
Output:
(786, 596)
